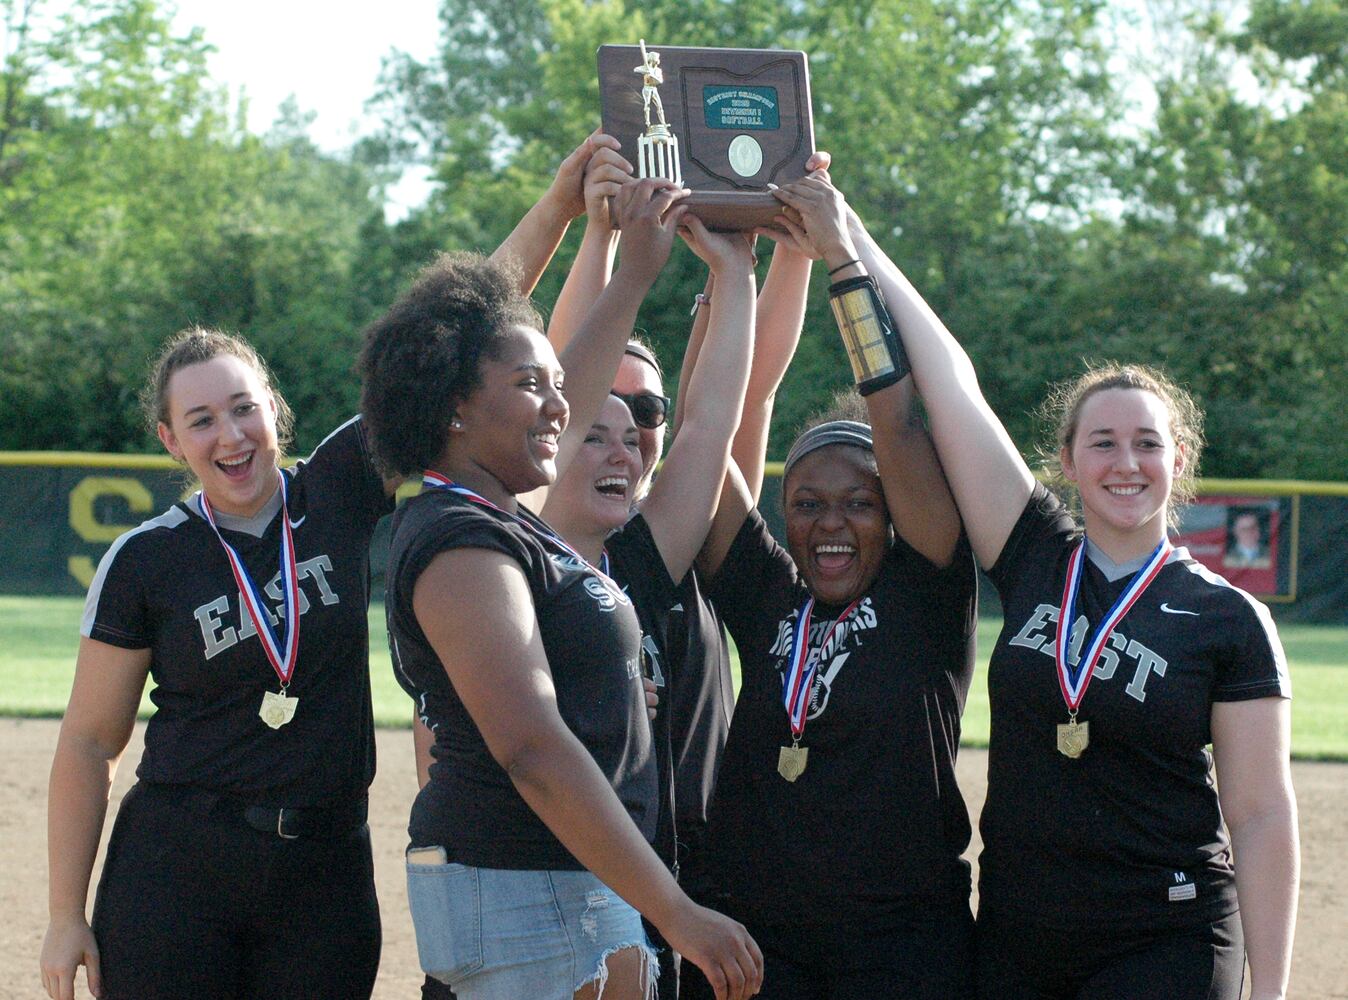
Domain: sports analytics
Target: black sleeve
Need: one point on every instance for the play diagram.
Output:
(1043, 521)
(756, 584)
(1254, 665)
(638, 566)
(951, 590)
(116, 609)
(345, 457)
(456, 527)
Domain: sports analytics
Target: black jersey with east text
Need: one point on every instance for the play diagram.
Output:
(167, 586)
(876, 821)
(592, 638)
(1131, 831)
(688, 660)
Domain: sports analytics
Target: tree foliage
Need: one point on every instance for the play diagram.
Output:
(995, 148)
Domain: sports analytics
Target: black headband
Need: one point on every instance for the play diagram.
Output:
(641, 352)
(833, 432)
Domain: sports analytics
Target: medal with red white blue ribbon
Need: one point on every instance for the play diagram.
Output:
(1073, 736)
(801, 667)
(277, 708)
(434, 480)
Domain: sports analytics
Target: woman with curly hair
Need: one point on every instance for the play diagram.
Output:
(530, 852)
(1107, 867)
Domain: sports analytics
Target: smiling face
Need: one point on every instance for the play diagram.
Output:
(222, 423)
(635, 377)
(837, 525)
(504, 441)
(1123, 460)
(595, 495)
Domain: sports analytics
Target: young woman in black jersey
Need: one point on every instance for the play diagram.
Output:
(1107, 867)
(836, 829)
(543, 758)
(239, 864)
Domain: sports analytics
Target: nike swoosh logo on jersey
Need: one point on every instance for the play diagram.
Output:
(296, 524)
(1176, 611)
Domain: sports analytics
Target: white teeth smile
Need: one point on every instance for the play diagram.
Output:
(231, 463)
(1125, 491)
(844, 549)
(548, 437)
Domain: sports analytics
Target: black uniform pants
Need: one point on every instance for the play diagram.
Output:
(1019, 961)
(197, 903)
(923, 953)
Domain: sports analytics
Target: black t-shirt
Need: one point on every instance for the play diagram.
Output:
(167, 586)
(1130, 833)
(687, 657)
(876, 821)
(593, 643)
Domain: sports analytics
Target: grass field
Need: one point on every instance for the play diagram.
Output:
(39, 636)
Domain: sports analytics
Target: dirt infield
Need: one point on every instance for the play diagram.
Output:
(1319, 971)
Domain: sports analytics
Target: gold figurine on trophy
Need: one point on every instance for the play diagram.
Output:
(657, 147)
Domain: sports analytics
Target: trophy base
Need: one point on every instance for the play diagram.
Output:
(733, 211)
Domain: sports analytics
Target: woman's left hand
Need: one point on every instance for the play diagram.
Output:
(723, 253)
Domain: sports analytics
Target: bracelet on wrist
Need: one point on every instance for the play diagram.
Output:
(840, 267)
(700, 299)
(868, 333)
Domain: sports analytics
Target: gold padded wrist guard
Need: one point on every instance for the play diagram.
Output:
(873, 345)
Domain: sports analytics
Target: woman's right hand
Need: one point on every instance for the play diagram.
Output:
(721, 948)
(649, 215)
(605, 175)
(67, 946)
(817, 219)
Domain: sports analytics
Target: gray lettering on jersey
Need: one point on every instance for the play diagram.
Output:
(596, 589)
(1109, 660)
(1147, 663)
(653, 655)
(274, 591)
(214, 633)
(1032, 635)
(317, 569)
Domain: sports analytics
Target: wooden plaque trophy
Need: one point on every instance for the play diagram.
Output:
(724, 123)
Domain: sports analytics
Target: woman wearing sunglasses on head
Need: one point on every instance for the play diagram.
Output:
(530, 847)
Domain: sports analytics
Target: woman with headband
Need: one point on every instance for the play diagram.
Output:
(1115, 862)
(836, 830)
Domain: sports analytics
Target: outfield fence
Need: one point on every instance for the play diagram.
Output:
(1285, 541)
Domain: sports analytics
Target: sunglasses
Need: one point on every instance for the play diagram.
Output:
(648, 409)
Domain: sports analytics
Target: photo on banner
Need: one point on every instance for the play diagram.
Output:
(1249, 540)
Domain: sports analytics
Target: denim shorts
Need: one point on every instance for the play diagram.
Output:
(497, 934)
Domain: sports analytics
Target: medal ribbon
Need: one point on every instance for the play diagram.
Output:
(1074, 685)
(281, 656)
(801, 666)
(433, 480)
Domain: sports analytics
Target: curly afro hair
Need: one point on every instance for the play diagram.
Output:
(424, 356)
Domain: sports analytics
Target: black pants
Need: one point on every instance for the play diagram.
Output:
(201, 905)
(1019, 961)
(921, 953)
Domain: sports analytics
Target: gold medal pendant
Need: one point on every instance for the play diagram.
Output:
(277, 709)
(1073, 738)
(791, 761)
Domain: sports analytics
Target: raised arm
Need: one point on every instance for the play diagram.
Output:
(683, 500)
(507, 688)
(605, 175)
(650, 217)
(779, 316)
(535, 238)
(1251, 746)
(990, 481)
(96, 728)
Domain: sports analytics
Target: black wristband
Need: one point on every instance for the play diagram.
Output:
(841, 266)
(873, 344)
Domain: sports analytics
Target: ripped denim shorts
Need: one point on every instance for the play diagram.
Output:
(498, 934)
